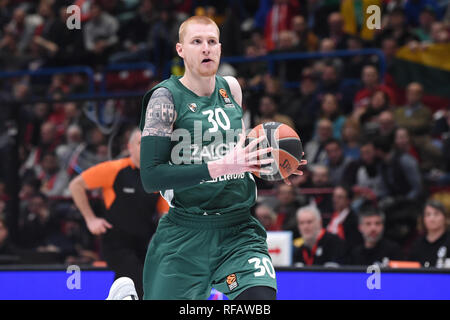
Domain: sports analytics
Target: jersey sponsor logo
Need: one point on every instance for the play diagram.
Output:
(193, 107)
(232, 281)
(226, 178)
(128, 190)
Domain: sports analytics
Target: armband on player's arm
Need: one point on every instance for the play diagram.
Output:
(156, 172)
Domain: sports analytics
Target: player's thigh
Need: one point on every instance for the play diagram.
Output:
(245, 261)
(176, 266)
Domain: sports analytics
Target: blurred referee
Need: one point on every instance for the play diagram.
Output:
(131, 214)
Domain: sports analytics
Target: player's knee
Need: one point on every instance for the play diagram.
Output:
(258, 293)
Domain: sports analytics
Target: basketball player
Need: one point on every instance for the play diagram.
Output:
(208, 238)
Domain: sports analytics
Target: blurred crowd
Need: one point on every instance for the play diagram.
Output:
(378, 155)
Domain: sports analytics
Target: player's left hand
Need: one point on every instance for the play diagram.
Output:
(297, 172)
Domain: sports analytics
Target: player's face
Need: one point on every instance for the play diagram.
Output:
(371, 228)
(200, 49)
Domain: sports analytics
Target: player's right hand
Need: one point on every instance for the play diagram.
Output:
(242, 159)
(98, 226)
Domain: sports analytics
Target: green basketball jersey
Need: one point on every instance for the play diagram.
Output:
(205, 129)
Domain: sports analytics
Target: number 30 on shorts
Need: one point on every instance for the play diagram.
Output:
(265, 266)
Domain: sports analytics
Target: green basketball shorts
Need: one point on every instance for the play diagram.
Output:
(189, 255)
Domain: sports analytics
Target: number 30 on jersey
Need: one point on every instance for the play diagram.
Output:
(217, 117)
(265, 266)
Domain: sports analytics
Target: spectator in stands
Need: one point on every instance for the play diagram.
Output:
(413, 10)
(386, 127)
(329, 109)
(76, 243)
(439, 33)
(100, 34)
(22, 27)
(428, 156)
(30, 187)
(433, 248)
(441, 124)
(7, 248)
(60, 45)
(54, 181)
(268, 109)
(327, 45)
(403, 143)
(353, 65)
(322, 197)
(379, 102)
(47, 143)
(426, 18)
(316, 246)
(351, 134)
(252, 72)
(65, 151)
(304, 105)
(32, 118)
(315, 149)
(365, 173)
(389, 47)
(288, 70)
(37, 226)
(134, 34)
(344, 221)
(396, 28)
(376, 249)
(330, 81)
(336, 30)
(370, 83)
(164, 34)
(401, 191)
(267, 216)
(414, 116)
(336, 160)
(287, 204)
(305, 36)
(278, 19)
(91, 152)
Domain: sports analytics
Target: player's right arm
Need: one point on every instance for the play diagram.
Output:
(156, 172)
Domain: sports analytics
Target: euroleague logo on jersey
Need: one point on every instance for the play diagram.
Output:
(224, 94)
(232, 281)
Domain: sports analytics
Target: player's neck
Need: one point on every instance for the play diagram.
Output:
(201, 86)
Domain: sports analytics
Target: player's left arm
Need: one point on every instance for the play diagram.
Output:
(236, 92)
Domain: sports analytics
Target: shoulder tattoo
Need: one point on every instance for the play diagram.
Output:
(160, 115)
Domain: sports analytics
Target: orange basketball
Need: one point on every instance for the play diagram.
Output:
(287, 149)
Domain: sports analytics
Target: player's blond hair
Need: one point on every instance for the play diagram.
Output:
(195, 19)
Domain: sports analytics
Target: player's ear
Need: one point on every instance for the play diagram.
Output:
(179, 48)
